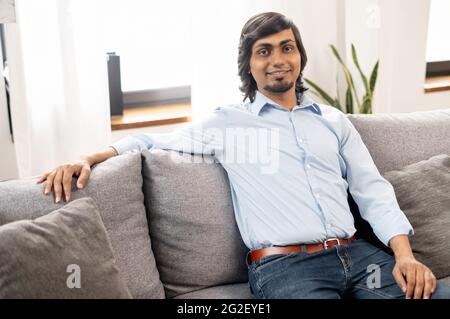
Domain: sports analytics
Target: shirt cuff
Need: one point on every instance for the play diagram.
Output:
(398, 224)
(126, 144)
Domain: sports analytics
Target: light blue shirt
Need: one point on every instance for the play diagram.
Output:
(289, 171)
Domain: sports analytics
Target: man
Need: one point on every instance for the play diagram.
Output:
(292, 210)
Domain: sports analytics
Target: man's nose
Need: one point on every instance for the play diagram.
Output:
(277, 59)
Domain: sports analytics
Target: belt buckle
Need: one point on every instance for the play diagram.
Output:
(325, 245)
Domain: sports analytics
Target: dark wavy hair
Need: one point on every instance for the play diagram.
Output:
(257, 27)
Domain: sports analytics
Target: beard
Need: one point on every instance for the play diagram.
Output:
(279, 87)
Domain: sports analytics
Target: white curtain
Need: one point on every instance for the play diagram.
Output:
(59, 84)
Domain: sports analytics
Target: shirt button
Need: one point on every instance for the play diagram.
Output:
(300, 140)
(308, 166)
(318, 195)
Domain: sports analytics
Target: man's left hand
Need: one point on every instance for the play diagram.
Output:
(415, 279)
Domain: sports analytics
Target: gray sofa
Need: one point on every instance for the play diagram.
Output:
(171, 223)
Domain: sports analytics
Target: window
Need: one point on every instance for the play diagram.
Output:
(152, 39)
(438, 46)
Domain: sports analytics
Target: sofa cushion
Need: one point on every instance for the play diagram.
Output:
(397, 140)
(116, 188)
(233, 291)
(64, 254)
(423, 193)
(195, 237)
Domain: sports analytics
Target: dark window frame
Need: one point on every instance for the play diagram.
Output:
(438, 68)
(160, 96)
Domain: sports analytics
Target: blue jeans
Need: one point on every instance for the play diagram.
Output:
(358, 270)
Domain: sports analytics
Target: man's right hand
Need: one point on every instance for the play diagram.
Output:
(61, 178)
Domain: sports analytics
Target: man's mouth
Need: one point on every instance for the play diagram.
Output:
(278, 72)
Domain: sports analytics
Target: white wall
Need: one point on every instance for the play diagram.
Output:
(398, 37)
(317, 22)
(436, 100)
(404, 72)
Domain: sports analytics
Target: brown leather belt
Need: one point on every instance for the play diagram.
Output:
(309, 248)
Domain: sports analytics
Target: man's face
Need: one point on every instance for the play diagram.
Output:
(275, 62)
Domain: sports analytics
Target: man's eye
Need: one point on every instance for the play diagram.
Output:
(288, 49)
(263, 52)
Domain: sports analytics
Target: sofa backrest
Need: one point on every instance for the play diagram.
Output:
(397, 140)
(194, 234)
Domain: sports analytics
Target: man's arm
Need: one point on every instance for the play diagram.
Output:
(100, 156)
(202, 137)
(378, 205)
(414, 278)
(373, 194)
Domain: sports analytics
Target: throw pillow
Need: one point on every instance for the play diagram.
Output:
(195, 237)
(64, 254)
(423, 193)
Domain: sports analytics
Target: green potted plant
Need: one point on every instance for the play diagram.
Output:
(351, 96)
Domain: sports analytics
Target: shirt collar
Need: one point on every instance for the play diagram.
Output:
(303, 101)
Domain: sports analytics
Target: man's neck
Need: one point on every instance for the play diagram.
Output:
(287, 99)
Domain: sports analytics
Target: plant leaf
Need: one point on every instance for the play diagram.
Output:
(363, 77)
(336, 54)
(337, 104)
(337, 88)
(373, 77)
(366, 106)
(334, 104)
(321, 93)
(347, 73)
(349, 101)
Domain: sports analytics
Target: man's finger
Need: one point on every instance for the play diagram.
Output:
(410, 282)
(57, 185)
(84, 176)
(429, 283)
(67, 183)
(398, 276)
(420, 283)
(43, 178)
(48, 186)
(433, 289)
